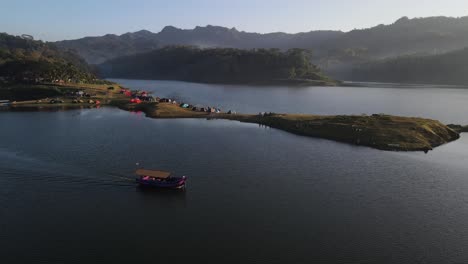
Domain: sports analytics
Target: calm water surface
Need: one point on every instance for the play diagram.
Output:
(255, 195)
(445, 104)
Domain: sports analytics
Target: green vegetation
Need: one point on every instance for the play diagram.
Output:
(28, 61)
(220, 65)
(448, 68)
(40, 95)
(32, 70)
(22, 92)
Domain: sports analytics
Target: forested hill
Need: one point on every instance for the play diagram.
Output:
(219, 65)
(27, 60)
(99, 49)
(448, 68)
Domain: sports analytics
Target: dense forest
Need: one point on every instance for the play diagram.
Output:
(447, 68)
(219, 65)
(26, 60)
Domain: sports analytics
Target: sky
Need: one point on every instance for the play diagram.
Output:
(52, 20)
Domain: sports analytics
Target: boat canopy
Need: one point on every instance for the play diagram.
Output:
(153, 173)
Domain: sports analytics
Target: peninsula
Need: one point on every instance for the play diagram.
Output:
(384, 132)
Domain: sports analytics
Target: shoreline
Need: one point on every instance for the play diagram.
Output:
(279, 82)
(383, 132)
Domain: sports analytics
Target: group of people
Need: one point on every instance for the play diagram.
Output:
(138, 97)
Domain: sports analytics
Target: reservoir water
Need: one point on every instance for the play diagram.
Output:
(447, 104)
(255, 195)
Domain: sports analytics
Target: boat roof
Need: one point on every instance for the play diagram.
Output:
(153, 173)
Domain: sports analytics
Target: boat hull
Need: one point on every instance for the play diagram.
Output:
(173, 183)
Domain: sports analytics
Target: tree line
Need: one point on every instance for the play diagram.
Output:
(215, 65)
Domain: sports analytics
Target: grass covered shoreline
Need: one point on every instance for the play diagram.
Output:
(40, 95)
(384, 132)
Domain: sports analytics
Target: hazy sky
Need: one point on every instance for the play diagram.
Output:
(66, 19)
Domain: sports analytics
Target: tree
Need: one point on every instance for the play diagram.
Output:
(292, 73)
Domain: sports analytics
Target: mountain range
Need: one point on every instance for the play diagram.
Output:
(99, 49)
(337, 53)
(404, 51)
(430, 35)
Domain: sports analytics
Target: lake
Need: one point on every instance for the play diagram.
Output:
(254, 195)
(447, 104)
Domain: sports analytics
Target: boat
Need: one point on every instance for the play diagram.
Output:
(159, 179)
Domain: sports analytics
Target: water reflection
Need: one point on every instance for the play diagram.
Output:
(162, 196)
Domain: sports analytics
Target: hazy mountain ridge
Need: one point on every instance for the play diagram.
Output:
(215, 36)
(406, 36)
(99, 49)
(418, 36)
(448, 68)
(336, 52)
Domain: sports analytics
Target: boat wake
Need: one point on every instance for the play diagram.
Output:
(14, 165)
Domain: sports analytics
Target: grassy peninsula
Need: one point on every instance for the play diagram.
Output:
(384, 132)
(60, 96)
